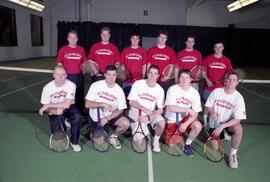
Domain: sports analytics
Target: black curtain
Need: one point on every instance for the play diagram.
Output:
(245, 47)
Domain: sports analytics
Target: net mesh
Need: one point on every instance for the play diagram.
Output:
(21, 88)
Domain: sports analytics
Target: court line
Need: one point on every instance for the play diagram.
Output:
(23, 88)
(150, 162)
(255, 93)
(14, 78)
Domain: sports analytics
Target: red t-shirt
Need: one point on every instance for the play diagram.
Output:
(134, 59)
(161, 57)
(188, 59)
(71, 58)
(104, 55)
(216, 70)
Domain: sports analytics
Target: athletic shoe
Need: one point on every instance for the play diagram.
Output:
(156, 146)
(233, 161)
(115, 142)
(75, 147)
(188, 150)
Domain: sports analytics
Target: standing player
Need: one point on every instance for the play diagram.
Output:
(72, 57)
(188, 59)
(103, 53)
(109, 96)
(227, 107)
(148, 96)
(162, 55)
(214, 69)
(184, 100)
(134, 60)
(58, 99)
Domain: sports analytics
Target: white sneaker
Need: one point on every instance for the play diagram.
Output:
(227, 137)
(67, 124)
(75, 148)
(115, 142)
(156, 146)
(233, 161)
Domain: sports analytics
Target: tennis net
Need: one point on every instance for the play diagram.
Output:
(21, 88)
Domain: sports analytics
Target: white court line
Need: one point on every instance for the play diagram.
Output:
(150, 162)
(255, 93)
(9, 93)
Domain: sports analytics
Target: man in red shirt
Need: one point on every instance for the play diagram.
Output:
(134, 59)
(103, 53)
(72, 57)
(214, 69)
(188, 59)
(162, 55)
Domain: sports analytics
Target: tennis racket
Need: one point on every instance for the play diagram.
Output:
(59, 140)
(100, 139)
(91, 67)
(123, 73)
(139, 140)
(167, 73)
(174, 138)
(214, 148)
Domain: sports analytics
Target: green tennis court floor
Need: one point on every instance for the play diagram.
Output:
(25, 157)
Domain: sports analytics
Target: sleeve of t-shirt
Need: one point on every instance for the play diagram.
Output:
(205, 64)
(149, 56)
(144, 57)
(229, 66)
(60, 56)
(91, 94)
(45, 96)
(173, 59)
(240, 109)
(71, 91)
(116, 54)
(133, 94)
(122, 57)
(170, 98)
(200, 60)
(211, 99)
(179, 61)
(122, 100)
(91, 54)
(83, 55)
(160, 99)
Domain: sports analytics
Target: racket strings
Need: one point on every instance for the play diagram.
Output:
(214, 150)
(100, 141)
(139, 142)
(59, 141)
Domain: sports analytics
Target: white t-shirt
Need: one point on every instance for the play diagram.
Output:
(185, 99)
(227, 106)
(100, 92)
(148, 97)
(53, 94)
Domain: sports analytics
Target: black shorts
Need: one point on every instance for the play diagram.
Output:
(92, 124)
(221, 136)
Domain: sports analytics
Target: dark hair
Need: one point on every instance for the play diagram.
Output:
(164, 32)
(191, 36)
(137, 34)
(73, 32)
(153, 66)
(239, 73)
(110, 68)
(105, 29)
(186, 71)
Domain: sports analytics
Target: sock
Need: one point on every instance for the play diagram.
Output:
(205, 119)
(188, 141)
(114, 136)
(233, 151)
(156, 138)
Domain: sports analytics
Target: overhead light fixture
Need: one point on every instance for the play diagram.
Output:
(239, 4)
(29, 4)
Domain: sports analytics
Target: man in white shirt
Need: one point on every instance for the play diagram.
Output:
(148, 96)
(109, 96)
(227, 108)
(184, 100)
(58, 99)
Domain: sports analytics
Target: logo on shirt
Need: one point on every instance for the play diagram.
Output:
(189, 59)
(147, 96)
(134, 56)
(161, 57)
(225, 104)
(107, 96)
(58, 95)
(104, 52)
(217, 65)
(73, 56)
(184, 101)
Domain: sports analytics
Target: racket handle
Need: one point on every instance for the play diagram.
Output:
(177, 118)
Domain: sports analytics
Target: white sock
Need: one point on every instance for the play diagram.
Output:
(188, 141)
(156, 138)
(205, 119)
(114, 136)
(233, 151)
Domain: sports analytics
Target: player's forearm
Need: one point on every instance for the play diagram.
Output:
(65, 104)
(93, 104)
(231, 123)
(175, 109)
(191, 119)
(210, 110)
(115, 114)
(156, 113)
(135, 104)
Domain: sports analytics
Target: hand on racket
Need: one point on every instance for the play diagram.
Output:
(139, 139)
(167, 73)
